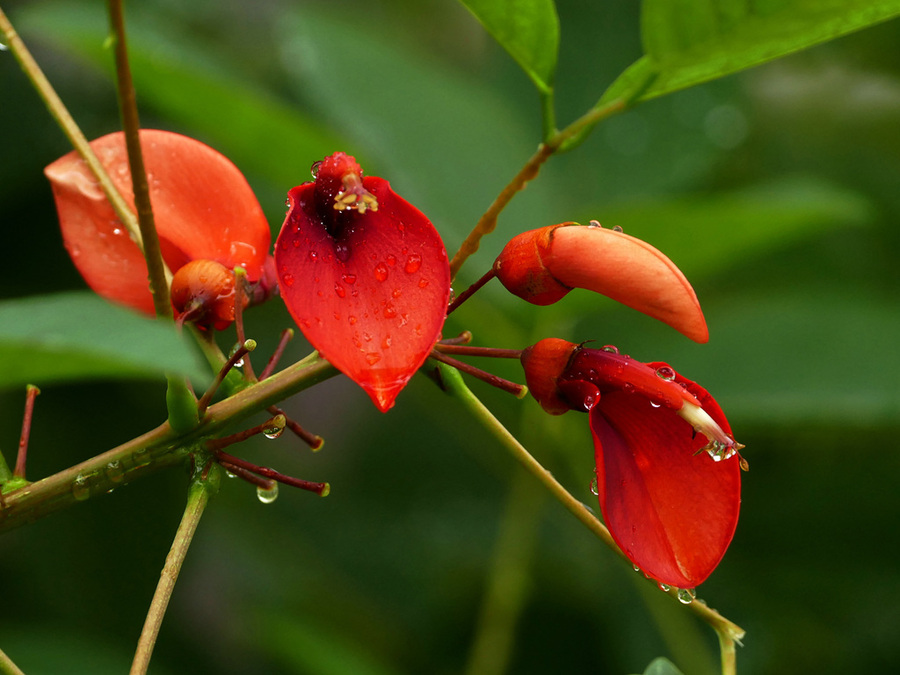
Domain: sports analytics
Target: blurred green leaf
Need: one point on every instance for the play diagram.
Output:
(74, 336)
(179, 79)
(527, 29)
(446, 142)
(687, 42)
(662, 666)
(306, 647)
(707, 234)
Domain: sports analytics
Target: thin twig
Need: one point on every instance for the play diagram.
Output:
(31, 392)
(65, 121)
(156, 268)
(200, 490)
(728, 632)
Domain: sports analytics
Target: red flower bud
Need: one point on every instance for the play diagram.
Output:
(544, 363)
(203, 292)
(365, 276)
(543, 265)
(203, 207)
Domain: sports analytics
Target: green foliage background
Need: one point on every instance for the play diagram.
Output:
(775, 190)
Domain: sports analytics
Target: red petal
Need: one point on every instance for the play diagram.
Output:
(372, 296)
(673, 513)
(203, 207)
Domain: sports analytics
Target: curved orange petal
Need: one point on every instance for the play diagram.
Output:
(627, 270)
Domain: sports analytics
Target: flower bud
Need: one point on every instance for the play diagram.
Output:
(544, 363)
(203, 292)
(543, 265)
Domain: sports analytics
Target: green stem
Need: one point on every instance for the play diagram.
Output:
(548, 114)
(7, 667)
(529, 172)
(452, 381)
(199, 492)
(59, 113)
(155, 450)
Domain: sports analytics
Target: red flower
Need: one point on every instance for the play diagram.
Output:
(365, 276)
(543, 265)
(203, 207)
(668, 472)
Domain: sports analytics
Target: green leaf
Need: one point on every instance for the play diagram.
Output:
(527, 29)
(687, 42)
(72, 336)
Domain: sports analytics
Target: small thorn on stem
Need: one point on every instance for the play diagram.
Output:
(314, 441)
(31, 392)
(239, 353)
(517, 390)
(286, 336)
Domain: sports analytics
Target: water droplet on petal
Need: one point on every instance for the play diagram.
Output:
(594, 223)
(288, 280)
(396, 293)
(351, 319)
(349, 278)
(314, 169)
(617, 228)
(665, 588)
(612, 349)
(666, 373)
(339, 290)
(413, 263)
(267, 495)
(594, 489)
(390, 312)
(423, 283)
(381, 272)
(636, 568)
(372, 358)
(342, 251)
(391, 260)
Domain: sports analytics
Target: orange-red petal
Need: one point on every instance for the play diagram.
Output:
(367, 285)
(203, 207)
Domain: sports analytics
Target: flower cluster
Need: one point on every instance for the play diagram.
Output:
(366, 277)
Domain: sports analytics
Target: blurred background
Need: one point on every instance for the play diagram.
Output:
(776, 191)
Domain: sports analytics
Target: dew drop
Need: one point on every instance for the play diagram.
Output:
(296, 243)
(612, 349)
(351, 319)
(386, 344)
(339, 291)
(349, 278)
(628, 387)
(413, 263)
(396, 293)
(372, 358)
(342, 251)
(274, 427)
(665, 588)
(423, 283)
(288, 280)
(114, 471)
(391, 260)
(654, 404)
(636, 568)
(594, 489)
(81, 489)
(267, 496)
(686, 595)
(594, 223)
(666, 373)
(617, 228)
(314, 169)
(390, 312)
(381, 272)
(313, 256)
